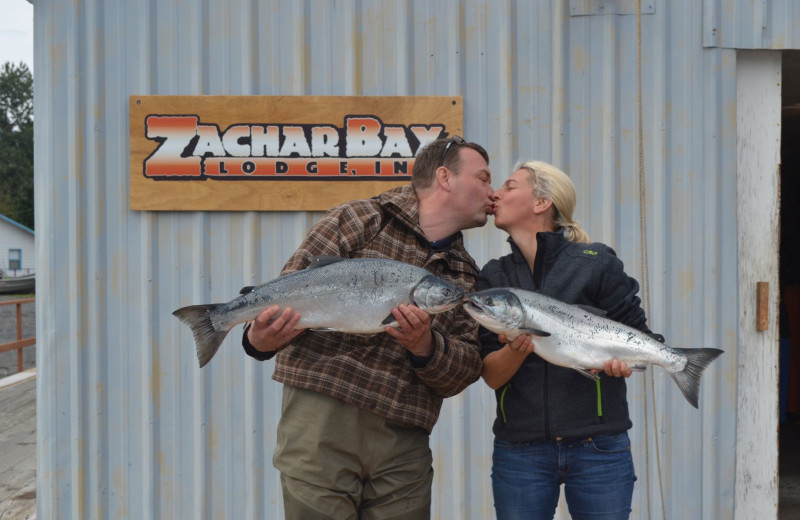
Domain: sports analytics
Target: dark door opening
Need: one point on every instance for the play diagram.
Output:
(789, 369)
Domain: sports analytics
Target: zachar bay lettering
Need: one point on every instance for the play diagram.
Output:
(363, 146)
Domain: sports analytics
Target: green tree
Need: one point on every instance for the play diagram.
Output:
(16, 143)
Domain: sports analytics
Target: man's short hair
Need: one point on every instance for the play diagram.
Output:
(429, 158)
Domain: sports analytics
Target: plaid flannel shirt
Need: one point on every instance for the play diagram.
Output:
(376, 373)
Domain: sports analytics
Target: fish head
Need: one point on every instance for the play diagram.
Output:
(499, 310)
(433, 294)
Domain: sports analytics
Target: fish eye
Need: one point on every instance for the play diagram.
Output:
(489, 301)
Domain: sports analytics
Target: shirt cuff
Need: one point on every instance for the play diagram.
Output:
(419, 361)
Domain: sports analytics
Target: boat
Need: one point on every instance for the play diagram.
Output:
(19, 285)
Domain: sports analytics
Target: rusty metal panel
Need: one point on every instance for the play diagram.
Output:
(751, 24)
(129, 427)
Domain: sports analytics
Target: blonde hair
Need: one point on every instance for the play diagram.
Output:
(554, 185)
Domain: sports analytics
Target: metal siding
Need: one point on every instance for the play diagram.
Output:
(751, 24)
(128, 427)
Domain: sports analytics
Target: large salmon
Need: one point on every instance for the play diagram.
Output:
(345, 295)
(581, 338)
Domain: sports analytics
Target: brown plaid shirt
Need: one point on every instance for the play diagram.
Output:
(375, 372)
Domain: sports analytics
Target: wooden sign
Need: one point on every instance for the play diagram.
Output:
(277, 153)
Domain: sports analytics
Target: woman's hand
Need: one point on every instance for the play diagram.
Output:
(522, 344)
(615, 368)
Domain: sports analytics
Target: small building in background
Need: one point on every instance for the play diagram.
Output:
(17, 249)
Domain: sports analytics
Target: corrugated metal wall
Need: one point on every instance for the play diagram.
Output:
(751, 24)
(129, 427)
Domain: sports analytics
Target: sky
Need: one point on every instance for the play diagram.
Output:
(16, 32)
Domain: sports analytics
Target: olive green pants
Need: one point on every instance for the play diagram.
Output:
(340, 462)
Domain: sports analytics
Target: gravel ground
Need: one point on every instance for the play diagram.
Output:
(8, 332)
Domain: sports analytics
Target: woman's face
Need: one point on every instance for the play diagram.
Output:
(514, 201)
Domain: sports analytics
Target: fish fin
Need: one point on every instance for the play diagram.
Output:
(325, 329)
(247, 290)
(322, 260)
(688, 379)
(535, 332)
(637, 368)
(389, 321)
(593, 310)
(656, 336)
(206, 338)
(586, 373)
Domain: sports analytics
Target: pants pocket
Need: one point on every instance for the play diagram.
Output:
(615, 443)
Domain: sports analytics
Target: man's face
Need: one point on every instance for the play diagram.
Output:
(471, 196)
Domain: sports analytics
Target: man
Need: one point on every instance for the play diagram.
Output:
(358, 410)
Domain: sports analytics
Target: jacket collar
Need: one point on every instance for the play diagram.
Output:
(550, 239)
(402, 204)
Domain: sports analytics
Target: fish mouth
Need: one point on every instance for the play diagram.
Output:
(446, 305)
(473, 306)
(435, 295)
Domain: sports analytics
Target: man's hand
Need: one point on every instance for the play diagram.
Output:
(272, 329)
(413, 329)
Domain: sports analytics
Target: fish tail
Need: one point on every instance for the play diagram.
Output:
(206, 338)
(688, 379)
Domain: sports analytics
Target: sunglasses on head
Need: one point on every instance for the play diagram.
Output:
(457, 139)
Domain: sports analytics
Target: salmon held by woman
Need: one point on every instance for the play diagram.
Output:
(344, 295)
(581, 338)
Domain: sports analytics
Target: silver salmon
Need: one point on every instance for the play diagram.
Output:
(581, 338)
(345, 295)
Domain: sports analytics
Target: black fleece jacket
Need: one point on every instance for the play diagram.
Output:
(544, 401)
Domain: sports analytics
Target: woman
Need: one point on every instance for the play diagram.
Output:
(553, 424)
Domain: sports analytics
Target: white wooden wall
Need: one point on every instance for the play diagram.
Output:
(758, 116)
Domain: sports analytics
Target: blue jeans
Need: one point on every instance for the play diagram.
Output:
(597, 473)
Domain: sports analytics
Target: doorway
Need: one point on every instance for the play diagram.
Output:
(789, 273)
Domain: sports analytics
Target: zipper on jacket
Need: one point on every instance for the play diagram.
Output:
(503, 402)
(546, 403)
(537, 275)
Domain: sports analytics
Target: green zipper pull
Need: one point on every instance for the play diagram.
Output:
(599, 398)
(502, 402)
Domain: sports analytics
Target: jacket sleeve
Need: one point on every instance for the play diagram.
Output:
(617, 293)
(456, 362)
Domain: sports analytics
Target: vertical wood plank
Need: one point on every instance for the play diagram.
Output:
(758, 115)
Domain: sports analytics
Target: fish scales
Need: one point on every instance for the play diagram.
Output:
(587, 341)
(575, 337)
(344, 295)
